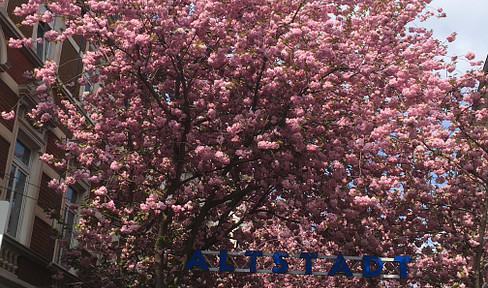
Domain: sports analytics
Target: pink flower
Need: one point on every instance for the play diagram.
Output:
(475, 63)
(61, 189)
(312, 147)
(161, 205)
(221, 157)
(266, 145)
(128, 229)
(284, 234)
(470, 55)
(8, 116)
(41, 88)
(48, 158)
(101, 191)
(70, 180)
(28, 42)
(51, 35)
(211, 113)
(144, 207)
(115, 166)
(53, 183)
(15, 43)
(451, 37)
(451, 68)
(109, 205)
(46, 117)
(142, 39)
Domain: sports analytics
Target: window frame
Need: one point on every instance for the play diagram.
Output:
(68, 237)
(42, 49)
(13, 194)
(45, 51)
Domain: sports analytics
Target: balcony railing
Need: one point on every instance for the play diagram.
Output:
(20, 266)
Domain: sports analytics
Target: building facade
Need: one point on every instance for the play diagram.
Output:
(31, 252)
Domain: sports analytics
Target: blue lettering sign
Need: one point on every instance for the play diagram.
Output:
(367, 259)
(283, 265)
(197, 260)
(403, 264)
(372, 266)
(308, 261)
(340, 265)
(222, 263)
(252, 264)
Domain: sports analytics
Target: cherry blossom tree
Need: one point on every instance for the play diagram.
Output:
(303, 126)
(456, 209)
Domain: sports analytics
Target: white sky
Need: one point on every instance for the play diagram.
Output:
(468, 19)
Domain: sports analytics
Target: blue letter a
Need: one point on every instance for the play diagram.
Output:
(196, 260)
(340, 265)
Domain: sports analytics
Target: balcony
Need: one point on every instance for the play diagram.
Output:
(20, 266)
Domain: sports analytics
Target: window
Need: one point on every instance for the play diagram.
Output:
(42, 48)
(17, 186)
(88, 87)
(69, 215)
(69, 220)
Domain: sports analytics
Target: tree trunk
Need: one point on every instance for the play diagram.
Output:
(159, 275)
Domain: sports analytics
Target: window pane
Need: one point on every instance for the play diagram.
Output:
(11, 181)
(69, 218)
(16, 195)
(22, 153)
(71, 195)
(43, 47)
